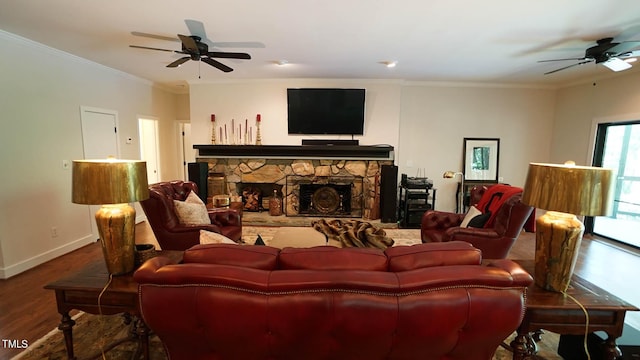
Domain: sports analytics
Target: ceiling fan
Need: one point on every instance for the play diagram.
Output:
(196, 50)
(606, 52)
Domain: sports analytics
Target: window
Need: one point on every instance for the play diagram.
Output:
(618, 147)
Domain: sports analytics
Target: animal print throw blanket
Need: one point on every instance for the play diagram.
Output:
(353, 233)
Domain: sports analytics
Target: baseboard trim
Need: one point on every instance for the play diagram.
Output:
(15, 269)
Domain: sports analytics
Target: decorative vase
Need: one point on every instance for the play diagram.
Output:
(275, 204)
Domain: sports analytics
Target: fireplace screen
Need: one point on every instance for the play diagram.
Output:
(324, 196)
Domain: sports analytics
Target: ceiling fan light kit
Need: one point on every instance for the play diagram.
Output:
(616, 64)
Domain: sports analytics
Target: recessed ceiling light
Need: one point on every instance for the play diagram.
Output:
(389, 64)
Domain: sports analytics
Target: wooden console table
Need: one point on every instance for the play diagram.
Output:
(80, 291)
(560, 314)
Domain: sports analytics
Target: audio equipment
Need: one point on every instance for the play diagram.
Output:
(389, 193)
(199, 174)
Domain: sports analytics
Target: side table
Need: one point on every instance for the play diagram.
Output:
(560, 314)
(80, 291)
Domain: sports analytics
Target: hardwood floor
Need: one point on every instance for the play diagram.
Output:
(28, 311)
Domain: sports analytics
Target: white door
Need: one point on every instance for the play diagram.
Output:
(188, 152)
(99, 140)
(148, 129)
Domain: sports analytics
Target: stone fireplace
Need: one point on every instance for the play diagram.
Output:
(322, 186)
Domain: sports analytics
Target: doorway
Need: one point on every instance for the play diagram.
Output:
(186, 146)
(148, 129)
(617, 147)
(99, 141)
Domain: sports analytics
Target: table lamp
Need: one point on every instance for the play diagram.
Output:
(113, 184)
(451, 175)
(564, 191)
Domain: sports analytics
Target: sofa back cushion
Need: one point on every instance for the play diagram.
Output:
(405, 258)
(256, 257)
(330, 258)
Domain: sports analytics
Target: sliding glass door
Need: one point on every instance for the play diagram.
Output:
(618, 148)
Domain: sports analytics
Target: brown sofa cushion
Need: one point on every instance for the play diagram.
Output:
(404, 258)
(256, 257)
(327, 258)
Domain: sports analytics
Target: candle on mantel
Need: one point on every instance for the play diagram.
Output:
(213, 117)
(258, 118)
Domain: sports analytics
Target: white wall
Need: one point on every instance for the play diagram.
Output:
(435, 118)
(243, 100)
(613, 99)
(425, 122)
(41, 92)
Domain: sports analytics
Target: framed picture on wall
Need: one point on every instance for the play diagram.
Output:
(480, 159)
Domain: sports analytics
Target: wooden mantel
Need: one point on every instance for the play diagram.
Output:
(297, 151)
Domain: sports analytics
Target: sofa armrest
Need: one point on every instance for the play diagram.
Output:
(465, 234)
(520, 276)
(147, 270)
(440, 220)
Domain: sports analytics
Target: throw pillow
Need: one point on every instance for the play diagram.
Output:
(210, 237)
(192, 211)
(473, 212)
(480, 220)
(192, 198)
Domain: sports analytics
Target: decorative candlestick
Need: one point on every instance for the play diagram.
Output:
(233, 132)
(213, 129)
(246, 131)
(258, 137)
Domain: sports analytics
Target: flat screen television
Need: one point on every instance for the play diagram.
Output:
(325, 111)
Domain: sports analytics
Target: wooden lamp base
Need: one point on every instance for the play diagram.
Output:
(558, 238)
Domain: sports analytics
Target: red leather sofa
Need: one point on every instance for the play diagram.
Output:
(427, 301)
(496, 238)
(172, 235)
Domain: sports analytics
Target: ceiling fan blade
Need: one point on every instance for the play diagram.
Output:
(229, 55)
(154, 36)
(238, 44)
(196, 28)
(149, 48)
(566, 67)
(624, 47)
(217, 64)
(189, 44)
(179, 62)
(574, 59)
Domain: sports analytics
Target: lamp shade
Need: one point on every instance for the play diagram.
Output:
(109, 181)
(578, 190)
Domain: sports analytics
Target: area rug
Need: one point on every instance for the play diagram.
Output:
(92, 331)
(399, 236)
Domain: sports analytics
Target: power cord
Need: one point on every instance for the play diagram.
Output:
(102, 322)
(586, 327)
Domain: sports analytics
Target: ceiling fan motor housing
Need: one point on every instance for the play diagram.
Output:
(599, 52)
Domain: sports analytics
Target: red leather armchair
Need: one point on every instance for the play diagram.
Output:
(495, 239)
(172, 235)
(427, 301)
